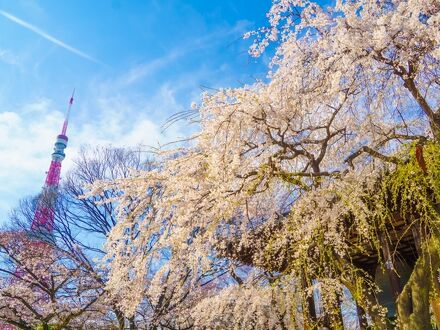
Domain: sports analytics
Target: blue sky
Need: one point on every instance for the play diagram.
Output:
(133, 64)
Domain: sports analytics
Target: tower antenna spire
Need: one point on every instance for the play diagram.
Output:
(66, 119)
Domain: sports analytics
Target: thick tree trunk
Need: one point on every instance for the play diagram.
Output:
(413, 304)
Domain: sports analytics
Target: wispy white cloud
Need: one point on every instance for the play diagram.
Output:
(146, 69)
(47, 36)
(149, 68)
(8, 57)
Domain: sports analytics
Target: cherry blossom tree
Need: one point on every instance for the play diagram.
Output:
(43, 286)
(282, 171)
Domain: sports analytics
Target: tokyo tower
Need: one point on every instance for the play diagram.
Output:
(43, 220)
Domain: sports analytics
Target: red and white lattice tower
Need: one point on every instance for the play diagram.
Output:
(43, 220)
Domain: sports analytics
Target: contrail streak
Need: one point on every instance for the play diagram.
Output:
(46, 36)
